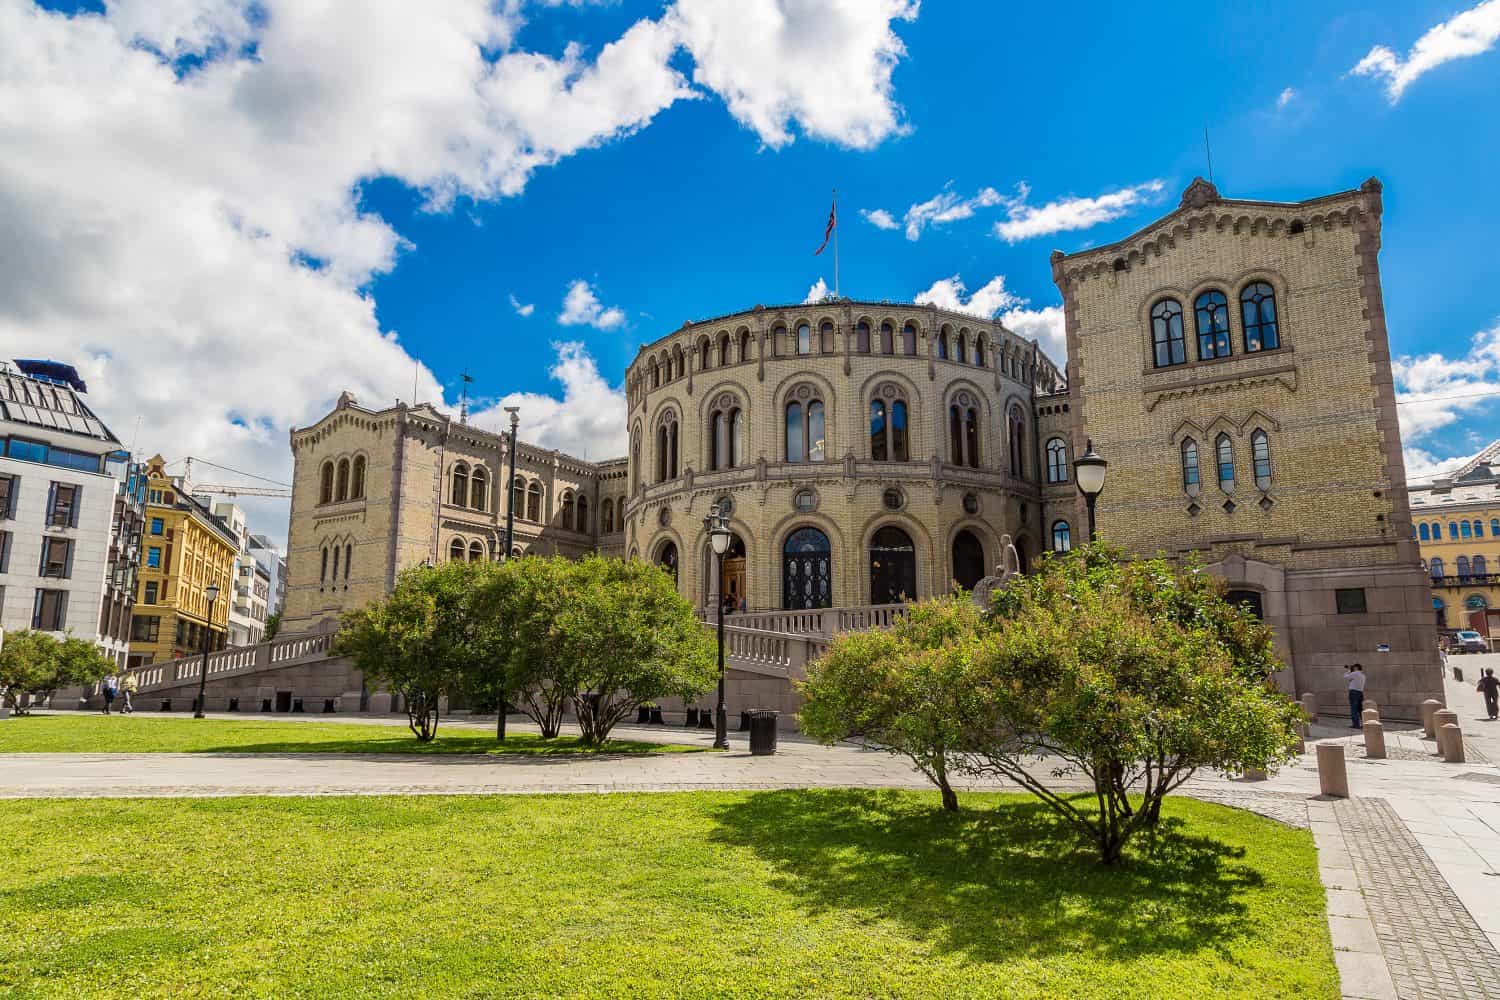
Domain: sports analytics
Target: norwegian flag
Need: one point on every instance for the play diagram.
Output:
(833, 220)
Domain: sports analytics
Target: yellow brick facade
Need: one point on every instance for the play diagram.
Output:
(1456, 520)
(183, 550)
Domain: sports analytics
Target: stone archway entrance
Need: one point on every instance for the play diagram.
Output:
(893, 567)
(806, 571)
(666, 558)
(735, 579)
(968, 559)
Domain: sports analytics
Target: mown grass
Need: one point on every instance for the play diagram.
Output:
(143, 733)
(795, 894)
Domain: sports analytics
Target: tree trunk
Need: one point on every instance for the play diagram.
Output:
(950, 797)
(500, 718)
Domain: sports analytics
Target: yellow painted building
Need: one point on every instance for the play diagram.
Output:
(184, 548)
(1456, 520)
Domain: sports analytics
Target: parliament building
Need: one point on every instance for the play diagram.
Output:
(1230, 361)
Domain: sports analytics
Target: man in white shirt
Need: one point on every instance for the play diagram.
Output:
(1355, 677)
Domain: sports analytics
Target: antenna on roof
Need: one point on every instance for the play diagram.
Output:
(1209, 152)
(463, 397)
(416, 369)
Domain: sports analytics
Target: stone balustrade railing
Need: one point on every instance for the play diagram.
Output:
(826, 622)
(779, 654)
(239, 660)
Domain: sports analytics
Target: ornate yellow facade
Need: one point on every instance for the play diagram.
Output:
(1456, 522)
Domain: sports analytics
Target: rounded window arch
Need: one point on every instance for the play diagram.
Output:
(1168, 346)
(476, 552)
(1211, 312)
(679, 368)
(726, 434)
(518, 495)
(582, 510)
(804, 338)
(606, 516)
(887, 338)
(566, 509)
(889, 421)
(325, 486)
(725, 356)
(942, 344)
(745, 345)
(805, 426)
(655, 374)
(909, 339)
(825, 338)
(357, 486)
(1422, 532)
(1062, 536)
(667, 558)
(458, 494)
(963, 347)
(1057, 460)
(1478, 566)
(456, 551)
(1258, 313)
(534, 501)
(862, 337)
(479, 488)
(968, 559)
(1435, 566)
(1462, 564)
(1015, 422)
(666, 447)
(806, 570)
(893, 566)
(963, 431)
(979, 351)
(1464, 531)
(1224, 456)
(341, 483)
(705, 354)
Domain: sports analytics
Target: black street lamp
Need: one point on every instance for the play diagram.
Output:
(1089, 469)
(717, 526)
(510, 540)
(212, 593)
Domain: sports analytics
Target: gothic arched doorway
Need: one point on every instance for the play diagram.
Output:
(806, 571)
(968, 559)
(666, 558)
(734, 576)
(893, 567)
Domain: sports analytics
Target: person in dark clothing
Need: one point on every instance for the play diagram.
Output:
(1489, 686)
(1355, 678)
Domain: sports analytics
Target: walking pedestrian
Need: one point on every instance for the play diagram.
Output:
(1354, 676)
(111, 687)
(1489, 686)
(128, 687)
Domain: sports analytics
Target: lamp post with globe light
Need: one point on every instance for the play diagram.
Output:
(212, 593)
(717, 526)
(1089, 470)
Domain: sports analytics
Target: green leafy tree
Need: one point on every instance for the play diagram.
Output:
(273, 625)
(520, 654)
(38, 664)
(911, 690)
(1131, 673)
(625, 637)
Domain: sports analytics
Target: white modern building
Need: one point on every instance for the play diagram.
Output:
(273, 563)
(247, 609)
(69, 523)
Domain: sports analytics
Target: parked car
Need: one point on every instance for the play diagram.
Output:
(1468, 641)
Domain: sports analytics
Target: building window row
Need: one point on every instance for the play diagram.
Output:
(458, 551)
(575, 512)
(611, 515)
(1464, 567)
(469, 487)
(526, 498)
(1224, 462)
(331, 556)
(1433, 530)
(1259, 326)
(341, 479)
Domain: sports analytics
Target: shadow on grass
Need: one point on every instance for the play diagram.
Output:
(992, 884)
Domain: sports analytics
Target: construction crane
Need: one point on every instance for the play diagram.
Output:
(240, 491)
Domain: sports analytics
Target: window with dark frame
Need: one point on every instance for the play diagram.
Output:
(1350, 600)
(1211, 310)
(49, 610)
(1168, 344)
(56, 562)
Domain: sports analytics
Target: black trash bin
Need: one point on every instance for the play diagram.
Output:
(706, 719)
(642, 715)
(744, 722)
(763, 732)
(234, 704)
(656, 719)
(296, 704)
(691, 720)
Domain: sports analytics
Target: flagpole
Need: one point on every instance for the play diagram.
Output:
(836, 243)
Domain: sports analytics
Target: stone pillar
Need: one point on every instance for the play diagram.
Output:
(1369, 715)
(1441, 718)
(1333, 774)
(1310, 706)
(1451, 742)
(1429, 707)
(1369, 703)
(1374, 739)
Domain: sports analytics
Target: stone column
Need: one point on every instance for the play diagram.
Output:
(1333, 774)
(1429, 707)
(1310, 706)
(1374, 739)
(1451, 742)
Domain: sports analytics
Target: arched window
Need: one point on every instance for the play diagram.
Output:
(1166, 334)
(606, 516)
(679, 367)
(979, 351)
(1478, 566)
(956, 434)
(357, 488)
(796, 433)
(942, 345)
(534, 502)
(1436, 566)
(567, 509)
(971, 437)
(1260, 458)
(1224, 449)
(666, 449)
(726, 432)
(1478, 528)
(704, 355)
(968, 559)
(458, 495)
(1452, 529)
(479, 489)
(323, 573)
(744, 345)
(804, 338)
(817, 432)
(456, 550)
(879, 437)
(666, 558)
(1258, 310)
(1463, 567)
(518, 496)
(334, 580)
(1016, 434)
(1062, 537)
(724, 355)
(887, 338)
(893, 566)
(862, 337)
(1464, 530)
(909, 339)
(1212, 313)
(806, 570)
(325, 488)
(963, 348)
(655, 374)
(583, 514)
(806, 431)
(476, 553)
(888, 430)
(1057, 461)
(1495, 526)
(779, 347)
(825, 338)
(1190, 477)
(1423, 533)
(341, 488)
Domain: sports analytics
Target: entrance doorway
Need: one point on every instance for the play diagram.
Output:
(734, 576)
(666, 558)
(806, 571)
(893, 567)
(968, 559)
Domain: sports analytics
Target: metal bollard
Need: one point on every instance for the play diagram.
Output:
(1333, 774)
(1369, 715)
(1374, 739)
(1310, 706)
(1428, 707)
(1451, 740)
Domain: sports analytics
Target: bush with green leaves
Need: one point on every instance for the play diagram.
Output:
(38, 664)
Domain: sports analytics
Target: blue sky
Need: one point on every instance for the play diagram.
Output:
(316, 201)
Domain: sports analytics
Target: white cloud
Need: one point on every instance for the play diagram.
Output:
(1026, 221)
(818, 292)
(824, 65)
(1434, 392)
(521, 310)
(880, 218)
(588, 421)
(1286, 97)
(946, 207)
(1044, 325)
(1470, 33)
(581, 307)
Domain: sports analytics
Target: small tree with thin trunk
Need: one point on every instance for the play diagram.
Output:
(522, 652)
(911, 690)
(38, 664)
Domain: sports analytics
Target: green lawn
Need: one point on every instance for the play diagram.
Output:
(796, 894)
(142, 733)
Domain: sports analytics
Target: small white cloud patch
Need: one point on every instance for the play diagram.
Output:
(1470, 33)
(581, 307)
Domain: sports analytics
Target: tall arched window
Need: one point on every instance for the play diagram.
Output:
(956, 434)
(979, 350)
(806, 430)
(804, 338)
(1260, 457)
(357, 488)
(744, 345)
(971, 437)
(1167, 342)
(862, 337)
(1495, 526)
(655, 374)
(334, 580)
(606, 516)
(726, 430)
(518, 495)
(724, 355)
(458, 495)
(1423, 533)
(1464, 530)
(1478, 566)
(325, 487)
(779, 346)
(583, 514)
(534, 502)
(1224, 449)
(567, 509)
(666, 448)
(796, 433)
(456, 550)
(825, 338)
(909, 339)
(888, 430)
(887, 338)
(942, 345)
(1478, 528)
(1452, 529)
(323, 573)
(679, 366)
(1016, 434)
(1062, 536)
(963, 348)
(1463, 567)
(1436, 566)
(879, 436)
(1190, 476)
(661, 453)
(341, 487)
(704, 354)
(479, 489)
(1258, 310)
(476, 554)
(1057, 461)
(817, 432)
(1212, 313)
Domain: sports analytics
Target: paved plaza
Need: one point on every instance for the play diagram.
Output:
(1411, 863)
